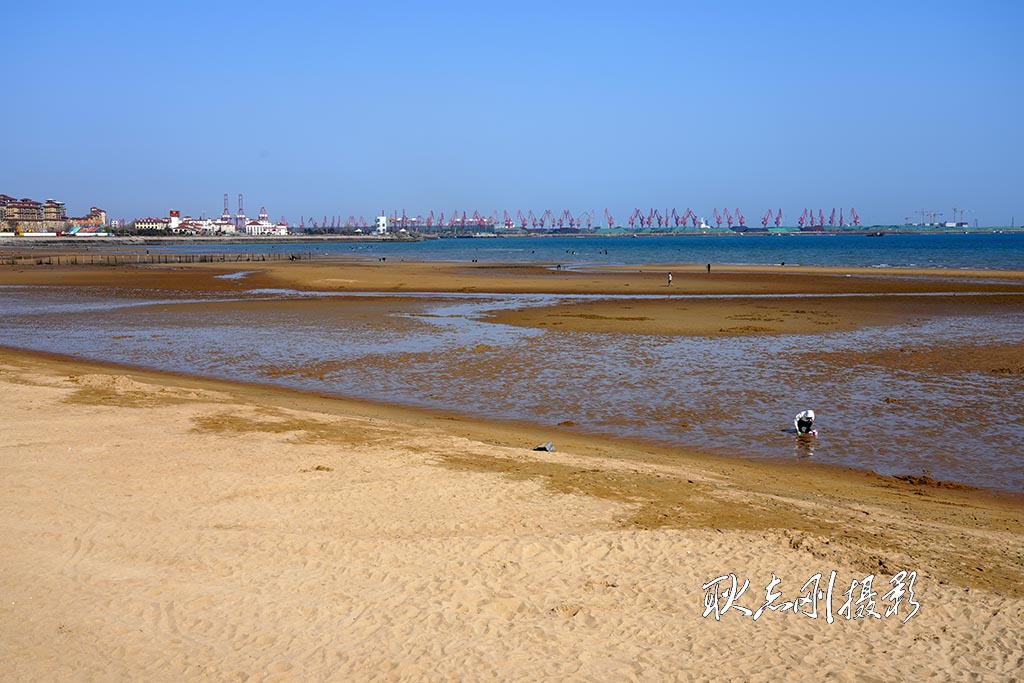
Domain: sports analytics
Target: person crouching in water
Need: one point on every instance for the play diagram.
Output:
(804, 422)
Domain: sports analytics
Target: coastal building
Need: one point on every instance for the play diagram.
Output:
(381, 226)
(221, 226)
(25, 210)
(163, 224)
(92, 224)
(96, 216)
(54, 211)
(225, 224)
(263, 225)
(26, 216)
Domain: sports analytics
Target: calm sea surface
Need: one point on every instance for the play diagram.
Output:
(987, 251)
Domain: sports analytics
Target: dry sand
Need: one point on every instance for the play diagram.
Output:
(161, 528)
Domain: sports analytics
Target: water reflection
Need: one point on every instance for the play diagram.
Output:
(804, 445)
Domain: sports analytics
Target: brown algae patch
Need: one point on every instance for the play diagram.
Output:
(300, 430)
(124, 392)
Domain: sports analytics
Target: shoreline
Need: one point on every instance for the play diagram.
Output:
(503, 432)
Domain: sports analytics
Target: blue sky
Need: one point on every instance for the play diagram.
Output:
(351, 108)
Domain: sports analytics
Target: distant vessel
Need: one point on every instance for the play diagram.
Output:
(877, 233)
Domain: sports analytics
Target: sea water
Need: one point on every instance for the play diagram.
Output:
(989, 251)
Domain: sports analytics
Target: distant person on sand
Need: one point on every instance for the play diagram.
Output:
(709, 268)
(670, 279)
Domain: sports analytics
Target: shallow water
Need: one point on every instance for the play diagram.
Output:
(734, 395)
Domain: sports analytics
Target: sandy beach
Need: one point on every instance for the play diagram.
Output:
(162, 527)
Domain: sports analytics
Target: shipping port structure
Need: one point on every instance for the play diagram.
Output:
(456, 223)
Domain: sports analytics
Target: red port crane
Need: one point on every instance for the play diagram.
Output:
(718, 219)
(842, 221)
(728, 218)
(740, 218)
(803, 219)
(854, 216)
(608, 217)
(765, 218)
(832, 217)
(778, 218)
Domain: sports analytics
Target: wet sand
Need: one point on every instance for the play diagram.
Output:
(159, 527)
(372, 276)
(862, 299)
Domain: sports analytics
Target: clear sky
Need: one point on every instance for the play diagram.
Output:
(349, 108)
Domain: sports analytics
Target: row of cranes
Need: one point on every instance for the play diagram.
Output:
(672, 218)
(462, 219)
(548, 220)
(806, 219)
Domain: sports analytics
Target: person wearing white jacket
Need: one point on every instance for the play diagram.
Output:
(804, 422)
